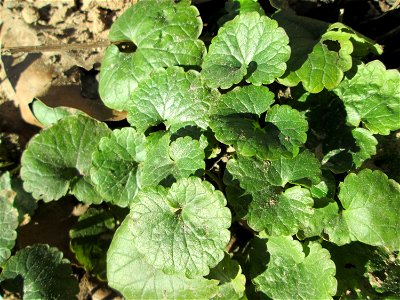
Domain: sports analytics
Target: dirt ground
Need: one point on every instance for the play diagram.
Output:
(64, 76)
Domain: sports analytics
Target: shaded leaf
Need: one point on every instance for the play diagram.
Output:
(263, 205)
(231, 280)
(44, 272)
(372, 96)
(90, 238)
(371, 202)
(321, 53)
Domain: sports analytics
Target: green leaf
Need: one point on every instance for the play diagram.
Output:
(236, 7)
(173, 97)
(115, 170)
(250, 47)
(351, 270)
(247, 99)
(231, 280)
(283, 133)
(340, 147)
(90, 238)
(371, 203)
(163, 34)
(12, 190)
(129, 273)
(297, 273)
(265, 206)
(303, 169)
(168, 161)
(49, 115)
(59, 158)
(292, 126)
(372, 96)
(181, 230)
(325, 211)
(8, 226)
(321, 53)
(44, 272)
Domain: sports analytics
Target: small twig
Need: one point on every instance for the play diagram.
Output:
(52, 48)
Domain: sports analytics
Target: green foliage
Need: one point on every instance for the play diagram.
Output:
(40, 272)
(234, 190)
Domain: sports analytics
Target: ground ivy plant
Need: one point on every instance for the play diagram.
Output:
(241, 164)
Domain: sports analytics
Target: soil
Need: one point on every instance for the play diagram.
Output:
(69, 77)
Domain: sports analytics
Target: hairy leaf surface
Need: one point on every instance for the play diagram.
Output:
(8, 226)
(321, 53)
(163, 34)
(44, 272)
(58, 159)
(115, 172)
(250, 47)
(130, 273)
(372, 96)
(231, 280)
(371, 203)
(297, 273)
(266, 206)
(173, 97)
(181, 230)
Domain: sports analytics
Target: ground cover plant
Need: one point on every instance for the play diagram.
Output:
(241, 170)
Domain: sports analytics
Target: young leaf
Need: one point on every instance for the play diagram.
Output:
(321, 53)
(264, 205)
(236, 7)
(372, 96)
(90, 238)
(50, 115)
(8, 226)
(231, 280)
(44, 272)
(135, 278)
(371, 202)
(303, 169)
(164, 34)
(115, 168)
(58, 159)
(235, 124)
(173, 97)
(181, 230)
(250, 47)
(294, 273)
(168, 161)
(343, 148)
(248, 99)
(292, 126)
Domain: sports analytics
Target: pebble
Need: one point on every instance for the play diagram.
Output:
(30, 15)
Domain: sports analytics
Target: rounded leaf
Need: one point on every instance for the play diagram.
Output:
(115, 165)
(8, 226)
(129, 273)
(294, 274)
(163, 33)
(59, 157)
(173, 97)
(181, 230)
(250, 46)
(44, 272)
(371, 204)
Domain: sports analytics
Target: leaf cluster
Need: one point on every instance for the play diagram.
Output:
(243, 165)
